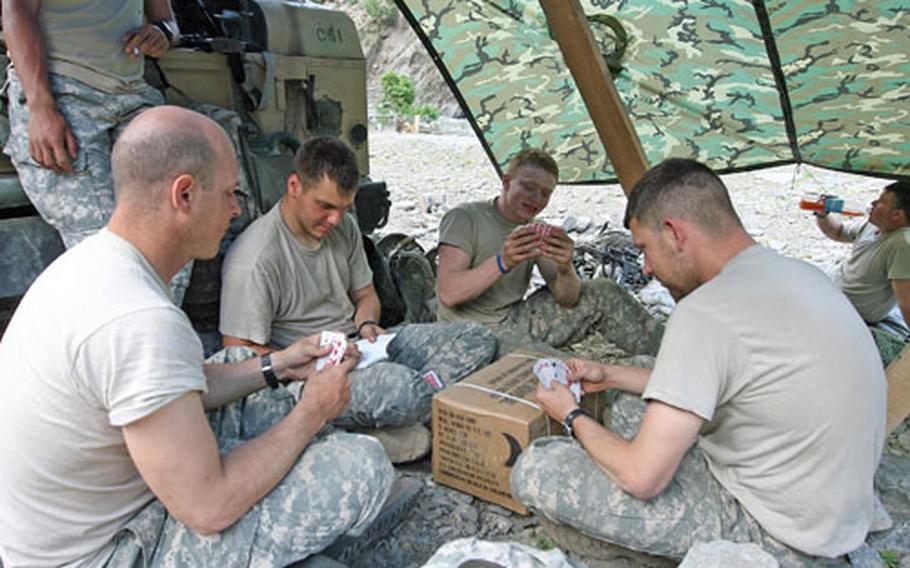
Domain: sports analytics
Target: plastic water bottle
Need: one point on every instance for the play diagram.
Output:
(825, 204)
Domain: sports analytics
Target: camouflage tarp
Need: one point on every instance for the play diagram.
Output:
(737, 84)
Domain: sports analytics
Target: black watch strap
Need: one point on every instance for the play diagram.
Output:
(165, 28)
(268, 371)
(570, 419)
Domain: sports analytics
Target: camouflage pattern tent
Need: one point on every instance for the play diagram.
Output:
(737, 84)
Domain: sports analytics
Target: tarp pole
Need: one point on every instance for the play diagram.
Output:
(898, 374)
(583, 58)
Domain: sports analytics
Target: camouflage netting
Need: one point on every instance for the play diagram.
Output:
(736, 84)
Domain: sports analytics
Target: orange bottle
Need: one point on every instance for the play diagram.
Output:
(830, 204)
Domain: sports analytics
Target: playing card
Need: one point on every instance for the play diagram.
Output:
(549, 370)
(339, 345)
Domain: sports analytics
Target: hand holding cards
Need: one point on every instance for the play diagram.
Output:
(543, 230)
(549, 370)
(339, 344)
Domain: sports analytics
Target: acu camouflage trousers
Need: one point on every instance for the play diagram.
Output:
(397, 392)
(557, 478)
(337, 487)
(79, 204)
(603, 305)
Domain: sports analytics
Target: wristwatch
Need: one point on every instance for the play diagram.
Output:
(268, 371)
(168, 28)
(570, 418)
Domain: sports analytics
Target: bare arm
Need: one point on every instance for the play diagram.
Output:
(902, 293)
(642, 466)
(177, 455)
(367, 309)
(832, 227)
(148, 39)
(459, 283)
(595, 376)
(645, 465)
(556, 267)
(231, 381)
(231, 341)
(51, 143)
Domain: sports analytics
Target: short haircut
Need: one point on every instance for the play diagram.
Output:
(901, 191)
(686, 189)
(145, 159)
(533, 157)
(327, 157)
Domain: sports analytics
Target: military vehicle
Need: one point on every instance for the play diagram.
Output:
(273, 73)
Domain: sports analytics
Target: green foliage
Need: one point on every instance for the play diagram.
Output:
(544, 543)
(397, 92)
(426, 110)
(891, 558)
(383, 13)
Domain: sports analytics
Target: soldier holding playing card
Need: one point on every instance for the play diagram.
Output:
(488, 250)
(752, 426)
(301, 269)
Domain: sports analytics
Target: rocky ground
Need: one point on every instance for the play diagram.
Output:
(427, 174)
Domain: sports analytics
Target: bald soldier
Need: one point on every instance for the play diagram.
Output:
(108, 455)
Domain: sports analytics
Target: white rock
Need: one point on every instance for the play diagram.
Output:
(724, 554)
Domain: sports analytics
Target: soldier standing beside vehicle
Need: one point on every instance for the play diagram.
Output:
(76, 81)
(487, 252)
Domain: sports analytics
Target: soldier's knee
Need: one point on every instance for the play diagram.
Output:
(537, 464)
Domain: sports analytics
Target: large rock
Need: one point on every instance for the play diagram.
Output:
(723, 554)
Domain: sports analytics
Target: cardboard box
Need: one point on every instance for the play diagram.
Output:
(483, 423)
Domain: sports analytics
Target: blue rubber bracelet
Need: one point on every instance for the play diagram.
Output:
(502, 267)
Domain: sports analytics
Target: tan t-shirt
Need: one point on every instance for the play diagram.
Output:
(789, 381)
(275, 290)
(84, 40)
(480, 230)
(96, 344)
(866, 275)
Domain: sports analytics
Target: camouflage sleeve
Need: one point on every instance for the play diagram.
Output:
(361, 275)
(457, 229)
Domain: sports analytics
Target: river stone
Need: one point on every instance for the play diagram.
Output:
(723, 554)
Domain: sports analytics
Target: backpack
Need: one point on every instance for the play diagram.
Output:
(411, 284)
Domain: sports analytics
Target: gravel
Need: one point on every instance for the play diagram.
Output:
(428, 174)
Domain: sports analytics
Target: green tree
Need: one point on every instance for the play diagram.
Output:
(397, 93)
(383, 13)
